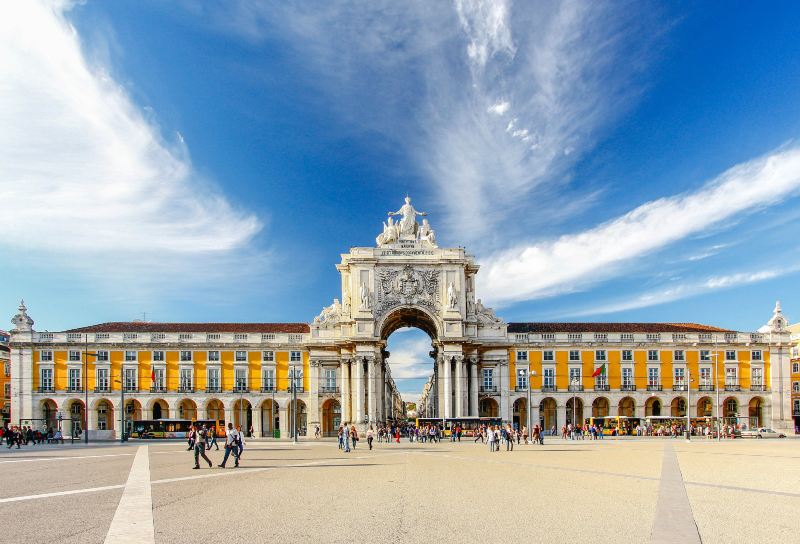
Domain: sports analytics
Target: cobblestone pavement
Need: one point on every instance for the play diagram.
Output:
(630, 490)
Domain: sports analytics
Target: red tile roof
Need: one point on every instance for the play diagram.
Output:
(613, 327)
(147, 326)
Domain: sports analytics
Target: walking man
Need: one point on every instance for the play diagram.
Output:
(231, 446)
(200, 446)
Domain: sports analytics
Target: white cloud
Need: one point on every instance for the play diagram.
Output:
(575, 261)
(718, 282)
(81, 168)
(409, 357)
(485, 22)
(499, 108)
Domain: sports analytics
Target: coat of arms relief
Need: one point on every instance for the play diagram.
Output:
(406, 285)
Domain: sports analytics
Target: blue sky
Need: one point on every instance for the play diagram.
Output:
(209, 161)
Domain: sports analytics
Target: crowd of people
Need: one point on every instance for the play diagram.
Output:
(23, 435)
(202, 439)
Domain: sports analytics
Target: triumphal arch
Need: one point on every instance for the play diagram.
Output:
(407, 280)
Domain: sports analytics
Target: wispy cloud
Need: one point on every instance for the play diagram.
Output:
(410, 358)
(83, 170)
(576, 261)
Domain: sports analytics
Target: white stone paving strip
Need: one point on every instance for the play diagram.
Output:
(133, 520)
(66, 458)
(674, 521)
(61, 493)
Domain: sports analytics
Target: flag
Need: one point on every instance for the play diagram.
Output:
(153, 376)
(600, 370)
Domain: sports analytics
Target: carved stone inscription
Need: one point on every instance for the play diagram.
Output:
(406, 285)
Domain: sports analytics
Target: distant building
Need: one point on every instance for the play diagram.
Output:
(5, 378)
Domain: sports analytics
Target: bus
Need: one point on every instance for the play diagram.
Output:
(173, 428)
(469, 425)
(615, 425)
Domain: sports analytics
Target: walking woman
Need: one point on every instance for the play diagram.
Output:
(370, 434)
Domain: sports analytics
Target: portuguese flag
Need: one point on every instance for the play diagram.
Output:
(600, 370)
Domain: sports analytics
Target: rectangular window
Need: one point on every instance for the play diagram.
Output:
(186, 379)
(212, 378)
(158, 356)
(46, 356)
(241, 379)
(186, 356)
(600, 355)
(46, 375)
(268, 378)
(295, 357)
(102, 379)
(548, 355)
(795, 368)
(705, 376)
(549, 377)
(7, 390)
(680, 373)
(130, 356)
(75, 379)
(131, 383)
(330, 378)
(213, 356)
(488, 378)
(158, 384)
(601, 380)
(268, 356)
(757, 376)
(7, 369)
(574, 355)
(74, 355)
(730, 355)
(796, 407)
(575, 375)
(652, 376)
(705, 355)
(627, 355)
(296, 376)
(652, 355)
(796, 387)
(755, 355)
(627, 376)
(522, 356)
(522, 379)
(731, 376)
(102, 356)
(679, 355)
(240, 356)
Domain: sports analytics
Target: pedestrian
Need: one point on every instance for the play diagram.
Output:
(240, 442)
(346, 438)
(192, 438)
(369, 437)
(317, 434)
(211, 438)
(339, 435)
(353, 435)
(231, 446)
(200, 446)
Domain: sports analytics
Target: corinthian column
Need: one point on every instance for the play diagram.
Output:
(460, 386)
(448, 388)
(359, 378)
(372, 405)
(346, 404)
(473, 388)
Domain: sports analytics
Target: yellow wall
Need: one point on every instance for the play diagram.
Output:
(512, 369)
(172, 376)
(562, 369)
(60, 377)
(535, 364)
(282, 370)
(588, 369)
(640, 369)
(744, 369)
(200, 363)
(614, 368)
(667, 372)
(116, 358)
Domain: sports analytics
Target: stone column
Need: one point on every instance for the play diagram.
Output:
(473, 387)
(372, 405)
(448, 387)
(460, 386)
(256, 421)
(344, 381)
(228, 414)
(505, 408)
(534, 411)
(561, 417)
(283, 423)
(358, 385)
(439, 407)
(313, 397)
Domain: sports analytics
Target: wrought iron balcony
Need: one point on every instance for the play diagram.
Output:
(241, 389)
(602, 387)
(102, 389)
(679, 387)
(46, 389)
(488, 389)
(267, 388)
(158, 389)
(549, 389)
(329, 390)
(74, 389)
(186, 389)
(131, 389)
(627, 387)
(521, 388)
(298, 389)
(575, 388)
(733, 387)
(214, 389)
(758, 388)
(705, 387)
(654, 387)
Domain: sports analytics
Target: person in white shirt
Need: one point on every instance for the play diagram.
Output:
(232, 440)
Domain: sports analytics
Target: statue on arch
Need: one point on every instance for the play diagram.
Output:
(452, 298)
(366, 297)
(426, 234)
(408, 221)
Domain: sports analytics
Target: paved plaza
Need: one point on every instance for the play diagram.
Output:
(628, 490)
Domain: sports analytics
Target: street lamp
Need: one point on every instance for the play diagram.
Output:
(688, 403)
(294, 403)
(575, 382)
(121, 383)
(522, 373)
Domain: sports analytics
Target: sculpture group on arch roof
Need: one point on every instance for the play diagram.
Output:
(406, 229)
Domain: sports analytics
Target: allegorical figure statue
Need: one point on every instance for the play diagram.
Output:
(408, 220)
(452, 300)
(426, 233)
(366, 302)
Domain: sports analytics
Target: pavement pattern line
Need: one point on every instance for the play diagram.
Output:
(133, 520)
(66, 458)
(61, 493)
(673, 522)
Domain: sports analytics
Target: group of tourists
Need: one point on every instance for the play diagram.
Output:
(23, 435)
(202, 438)
(581, 432)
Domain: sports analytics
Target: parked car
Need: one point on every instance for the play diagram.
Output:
(762, 432)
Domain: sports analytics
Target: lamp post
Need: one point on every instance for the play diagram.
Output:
(86, 356)
(574, 382)
(688, 404)
(522, 374)
(294, 404)
(715, 355)
(122, 409)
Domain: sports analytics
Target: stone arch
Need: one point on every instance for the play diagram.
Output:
(755, 412)
(103, 414)
(270, 417)
(49, 411)
(74, 417)
(677, 407)
(548, 409)
(158, 408)
(214, 408)
(242, 413)
(133, 410)
(730, 410)
(600, 407)
(575, 410)
(187, 409)
(519, 413)
(331, 417)
(408, 316)
(705, 407)
(488, 407)
(653, 407)
(627, 407)
(302, 416)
